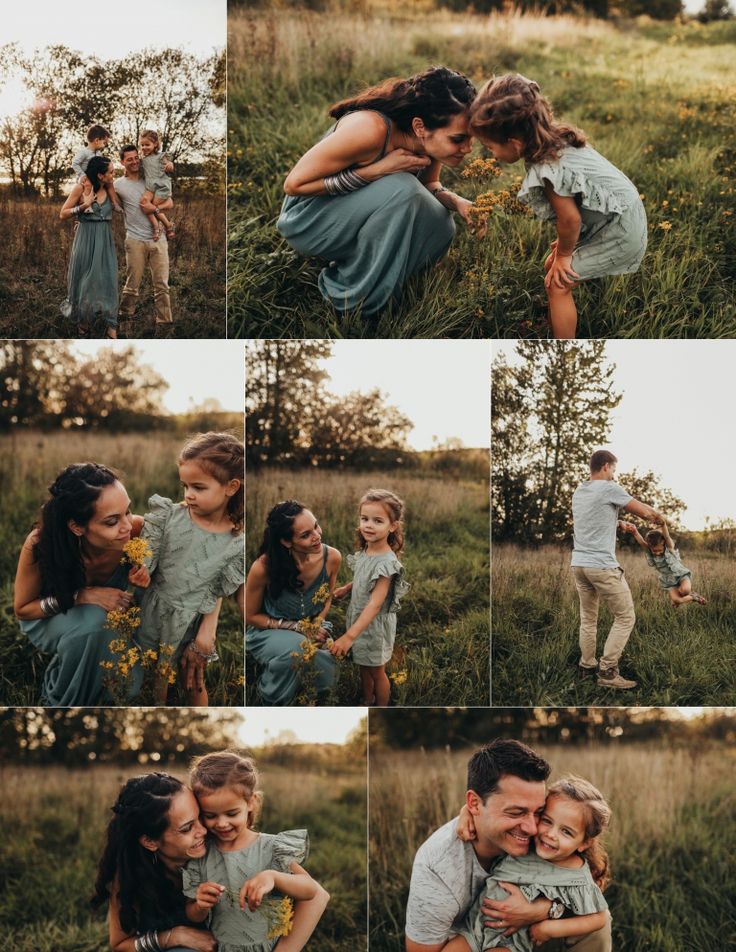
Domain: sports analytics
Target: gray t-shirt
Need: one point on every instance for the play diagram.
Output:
(595, 506)
(445, 879)
(130, 192)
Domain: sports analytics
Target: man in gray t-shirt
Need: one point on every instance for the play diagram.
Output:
(595, 511)
(141, 250)
(505, 797)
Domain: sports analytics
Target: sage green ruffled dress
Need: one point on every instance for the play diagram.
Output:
(238, 930)
(190, 569)
(669, 566)
(375, 645)
(613, 237)
(535, 877)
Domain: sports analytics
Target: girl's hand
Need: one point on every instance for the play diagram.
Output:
(139, 576)
(627, 526)
(540, 932)
(192, 670)
(208, 895)
(560, 274)
(477, 224)
(322, 635)
(256, 888)
(400, 160)
(341, 592)
(466, 825)
(341, 647)
(87, 198)
(168, 167)
(111, 599)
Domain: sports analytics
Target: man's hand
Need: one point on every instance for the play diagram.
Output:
(627, 526)
(513, 913)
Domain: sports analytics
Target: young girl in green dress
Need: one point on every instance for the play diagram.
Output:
(674, 577)
(568, 865)
(233, 882)
(197, 560)
(599, 216)
(375, 593)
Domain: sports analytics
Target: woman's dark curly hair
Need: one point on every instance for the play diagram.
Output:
(96, 167)
(147, 897)
(57, 551)
(434, 96)
(283, 571)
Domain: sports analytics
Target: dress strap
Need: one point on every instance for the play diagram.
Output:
(325, 550)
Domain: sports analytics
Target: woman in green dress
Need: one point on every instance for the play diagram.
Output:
(368, 198)
(70, 575)
(92, 278)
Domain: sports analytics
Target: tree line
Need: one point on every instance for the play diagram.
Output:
(549, 412)
(179, 94)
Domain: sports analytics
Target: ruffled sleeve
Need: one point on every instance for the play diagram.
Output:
(390, 567)
(572, 177)
(154, 526)
(291, 846)
(233, 574)
(191, 878)
(582, 899)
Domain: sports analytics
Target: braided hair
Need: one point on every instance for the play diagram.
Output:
(512, 107)
(57, 551)
(283, 571)
(222, 455)
(434, 96)
(146, 896)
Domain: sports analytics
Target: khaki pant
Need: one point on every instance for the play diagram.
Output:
(611, 586)
(155, 254)
(600, 941)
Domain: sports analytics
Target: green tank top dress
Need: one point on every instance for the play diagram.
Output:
(374, 239)
(92, 277)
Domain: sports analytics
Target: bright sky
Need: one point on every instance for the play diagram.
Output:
(674, 418)
(441, 385)
(196, 370)
(310, 724)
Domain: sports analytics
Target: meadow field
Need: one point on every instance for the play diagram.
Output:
(442, 642)
(679, 657)
(55, 823)
(671, 841)
(656, 99)
(35, 255)
(146, 462)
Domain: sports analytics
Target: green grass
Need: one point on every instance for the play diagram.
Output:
(146, 463)
(678, 657)
(55, 822)
(671, 840)
(655, 100)
(33, 270)
(442, 627)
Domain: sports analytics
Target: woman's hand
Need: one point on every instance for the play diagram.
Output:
(478, 224)
(540, 932)
(256, 888)
(139, 576)
(192, 669)
(208, 895)
(560, 273)
(199, 940)
(341, 647)
(399, 160)
(111, 599)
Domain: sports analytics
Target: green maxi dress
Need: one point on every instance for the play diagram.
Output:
(374, 239)
(92, 278)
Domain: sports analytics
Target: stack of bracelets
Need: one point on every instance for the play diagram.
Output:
(150, 942)
(50, 606)
(342, 182)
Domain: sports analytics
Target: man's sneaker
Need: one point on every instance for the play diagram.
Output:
(610, 678)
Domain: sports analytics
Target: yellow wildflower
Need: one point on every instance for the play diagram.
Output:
(665, 225)
(399, 677)
(322, 594)
(280, 916)
(136, 551)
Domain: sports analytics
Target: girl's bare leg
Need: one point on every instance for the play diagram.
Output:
(381, 685)
(678, 598)
(366, 682)
(160, 204)
(563, 315)
(197, 697)
(457, 944)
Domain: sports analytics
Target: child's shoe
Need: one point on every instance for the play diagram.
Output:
(610, 678)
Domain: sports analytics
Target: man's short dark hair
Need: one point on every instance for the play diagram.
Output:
(492, 761)
(97, 132)
(127, 148)
(599, 459)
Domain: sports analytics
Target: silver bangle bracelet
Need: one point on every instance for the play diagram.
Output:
(209, 658)
(348, 180)
(50, 606)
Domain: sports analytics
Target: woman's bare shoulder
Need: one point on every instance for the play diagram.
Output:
(334, 557)
(259, 569)
(367, 125)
